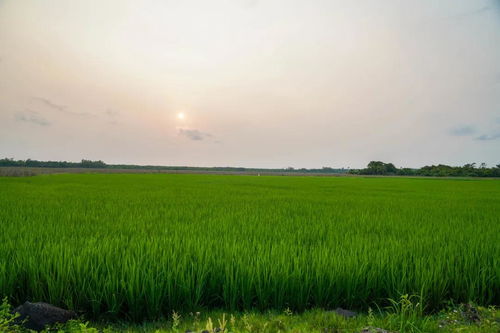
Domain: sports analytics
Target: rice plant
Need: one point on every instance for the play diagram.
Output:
(143, 246)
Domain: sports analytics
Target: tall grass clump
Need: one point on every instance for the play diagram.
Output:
(145, 245)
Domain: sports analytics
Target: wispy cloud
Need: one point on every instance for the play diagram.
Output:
(111, 113)
(194, 134)
(57, 107)
(471, 131)
(462, 131)
(32, 117)
(496, 4)
(49, 103)
(489, 137)
(473, 12)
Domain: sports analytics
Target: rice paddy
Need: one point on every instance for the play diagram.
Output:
(141, 246)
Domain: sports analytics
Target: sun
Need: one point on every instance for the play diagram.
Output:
(181, 116)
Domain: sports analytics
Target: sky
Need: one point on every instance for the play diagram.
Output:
(253, 83)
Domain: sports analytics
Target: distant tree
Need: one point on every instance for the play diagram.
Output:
(92, 164)
(379, 168)
(440, 170)
(373, 168)
(407, 172)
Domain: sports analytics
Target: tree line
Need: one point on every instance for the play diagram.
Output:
(9, 162)
(373, 168)
(440, 170)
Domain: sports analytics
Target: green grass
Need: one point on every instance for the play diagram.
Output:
(144, 245)
(403, 317)
(315, 321)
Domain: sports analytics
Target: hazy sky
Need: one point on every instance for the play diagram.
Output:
(269, 83)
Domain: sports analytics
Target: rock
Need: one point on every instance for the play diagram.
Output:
(205, 331)
(470, 313)
(38, 315)
(345, 313)
(188, 331)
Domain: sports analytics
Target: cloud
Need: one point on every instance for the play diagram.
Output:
(473, 12)
(49, 103)
(194, 134)
(462, 131)
(57, 107)
(497, 5)
(470, 130)
(111, 113)
(489, 137)
(32, 117)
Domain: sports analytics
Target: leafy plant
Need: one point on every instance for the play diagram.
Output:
(8, 321)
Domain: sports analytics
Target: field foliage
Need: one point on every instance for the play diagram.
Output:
(144, 245)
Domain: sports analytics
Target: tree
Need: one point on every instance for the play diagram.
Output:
(380, 168)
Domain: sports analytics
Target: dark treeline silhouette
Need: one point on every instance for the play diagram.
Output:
(373, 168)
(441, 170)
(9, 162)
(51, 164)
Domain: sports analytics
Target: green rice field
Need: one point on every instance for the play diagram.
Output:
(143, 245)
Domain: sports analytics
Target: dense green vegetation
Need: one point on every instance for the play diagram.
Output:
(441, 170)
(403, 316)
(144, 245)
(9, 162)
(373, 168)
